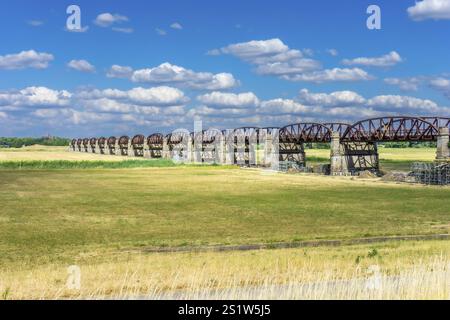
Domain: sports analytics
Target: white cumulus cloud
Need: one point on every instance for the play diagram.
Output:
(387, 60)
(167, 73)
(331, 75)
(25, 59)
(430, 9)
(81, 65)
(334, 99)
(229, 100)
(107, 19)
(273, 57)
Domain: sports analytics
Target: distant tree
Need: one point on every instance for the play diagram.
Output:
(20, 142)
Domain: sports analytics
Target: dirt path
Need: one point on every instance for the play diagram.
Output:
(285, 245)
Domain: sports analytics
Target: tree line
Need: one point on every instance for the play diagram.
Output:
(20, 142)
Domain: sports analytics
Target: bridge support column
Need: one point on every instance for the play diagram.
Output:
(147, 151)
(229, 149)
(117, 148)
(165, 148)
(220, 154)
(339, 165)
(267, 155)
(252, 148)
(130, 150)
(443, 152)
(189, 154)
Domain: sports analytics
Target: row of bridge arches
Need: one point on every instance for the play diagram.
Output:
(235, 145)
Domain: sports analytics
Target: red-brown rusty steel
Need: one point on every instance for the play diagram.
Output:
(101, 141)
(155, 139)
(305, 132)
(93, 141)
(211, 136)
(248, 134)
(438, 122)
(138, 140)
(391, 129)
(112, 141)
(123, 141)
(337, 127)
(73, 142)
(177, 137)
(85, 142)
(79, 142)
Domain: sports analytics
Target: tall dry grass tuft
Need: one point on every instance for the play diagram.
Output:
(139, 279)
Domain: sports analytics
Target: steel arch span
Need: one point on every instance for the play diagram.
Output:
(387, 129)
(438, 122)
(339, 127)
(305, 132)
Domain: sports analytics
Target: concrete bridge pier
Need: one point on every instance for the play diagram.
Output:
(189, 152)
(443, 152)
(252, 150)
(229, 150)
(131, 152)
(352, 157)
(117, 149)
(147, 151)
(339, 164)
(266, 159)
(165, 148)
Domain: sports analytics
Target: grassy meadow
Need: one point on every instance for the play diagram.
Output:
(105, 219)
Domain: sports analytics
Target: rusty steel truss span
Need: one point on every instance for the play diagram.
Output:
(179, 144)
(305, 132)
(155, 143)
(391, 129)
(243, 142)
(137, 145)
(353, 147)
(207, 145)
(438, 122)
(337, 127)
(293, 137)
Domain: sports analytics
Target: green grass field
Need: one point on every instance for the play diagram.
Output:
(88, 215)
(391, 159)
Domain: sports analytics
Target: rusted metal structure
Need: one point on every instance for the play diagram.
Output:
(112, 145)
(79, 144)
(438, 122)
(179, 145)
(391, 129)
(137, 146)
(244, 141)
(86, 144)
(101, 143)
(209, 146)
(73, 145)
(339, 127)
(93, 145)
(293, 137)
(353, 147)
(123, 145)
(155, 145)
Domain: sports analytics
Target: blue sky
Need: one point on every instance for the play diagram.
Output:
(147, 66)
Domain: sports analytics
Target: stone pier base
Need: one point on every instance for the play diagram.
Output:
(349, 158)
(442, 152)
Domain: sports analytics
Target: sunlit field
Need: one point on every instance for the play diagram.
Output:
(396, 270)
(110, 222)
(43, 153)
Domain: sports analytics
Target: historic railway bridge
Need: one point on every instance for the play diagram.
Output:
(353, 146)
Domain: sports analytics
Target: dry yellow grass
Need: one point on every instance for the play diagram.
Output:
(43, 153)
(407, 270)
(392, 154)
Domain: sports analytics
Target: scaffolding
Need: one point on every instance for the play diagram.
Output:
(431, 173)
